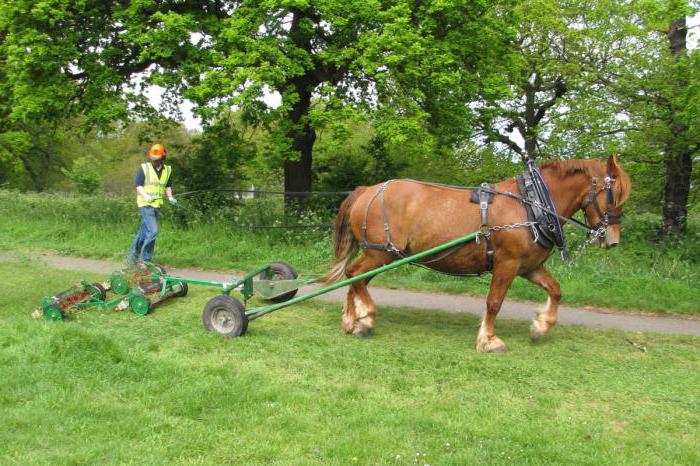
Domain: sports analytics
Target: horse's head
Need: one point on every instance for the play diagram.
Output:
(603, 205)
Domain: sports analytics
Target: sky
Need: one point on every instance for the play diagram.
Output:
(191, 122)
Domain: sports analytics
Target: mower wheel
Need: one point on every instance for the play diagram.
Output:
(53, 313)
(183, 290)
(280, 271)
(139, 304)
(97, 291)
(225, 315)
(118, 283)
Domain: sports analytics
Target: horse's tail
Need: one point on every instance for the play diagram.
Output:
(344, 243)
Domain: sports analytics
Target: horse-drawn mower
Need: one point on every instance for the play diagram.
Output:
(276, 282)
(142, 289)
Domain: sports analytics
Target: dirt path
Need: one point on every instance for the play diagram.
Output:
(421, 300)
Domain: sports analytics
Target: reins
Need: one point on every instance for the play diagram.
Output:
(485, 187)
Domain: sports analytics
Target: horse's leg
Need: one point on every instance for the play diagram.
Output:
(487, 341)
(359, 311)
(544, 318)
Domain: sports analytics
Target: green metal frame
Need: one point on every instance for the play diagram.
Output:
(245, 285)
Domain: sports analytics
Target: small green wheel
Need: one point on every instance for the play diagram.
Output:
(280, 271)
(53, 313)
(139, 304)
(97, 292)
(119, 283)
(225, 315)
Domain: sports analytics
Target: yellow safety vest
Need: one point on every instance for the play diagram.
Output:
(153, 185)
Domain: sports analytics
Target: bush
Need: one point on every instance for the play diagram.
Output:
(85, 175)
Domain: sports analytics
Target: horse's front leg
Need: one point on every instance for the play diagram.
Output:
(545, 318)
(487, 341)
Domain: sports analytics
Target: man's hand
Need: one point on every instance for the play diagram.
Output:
(172, 201)
(148, 198)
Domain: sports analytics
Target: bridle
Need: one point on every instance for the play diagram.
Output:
(607, 217)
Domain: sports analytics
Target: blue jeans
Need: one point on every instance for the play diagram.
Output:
(145, 240)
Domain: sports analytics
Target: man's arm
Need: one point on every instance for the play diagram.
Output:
(140, 181)
(169, 194)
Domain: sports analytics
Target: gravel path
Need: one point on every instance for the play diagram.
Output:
(422, 300)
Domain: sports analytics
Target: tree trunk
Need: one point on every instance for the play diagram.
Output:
(678, 164)
(297, 173)
(36, 180)
(676, 190)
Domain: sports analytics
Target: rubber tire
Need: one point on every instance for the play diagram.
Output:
(183, 292)
(99, 288)
(234, 310)
(281, 271)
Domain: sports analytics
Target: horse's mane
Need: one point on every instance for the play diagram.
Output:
(593, 168)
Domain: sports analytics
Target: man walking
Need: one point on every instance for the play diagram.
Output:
(153, 184)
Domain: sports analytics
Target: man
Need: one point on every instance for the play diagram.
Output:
(153, 184)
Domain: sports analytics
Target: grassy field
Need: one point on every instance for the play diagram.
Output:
(638, 275)
(112, 387)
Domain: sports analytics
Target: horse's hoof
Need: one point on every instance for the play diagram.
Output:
(538, 329)
(346, 328)
(493, 345)
(362, 331)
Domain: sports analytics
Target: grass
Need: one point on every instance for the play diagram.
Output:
(638, 275)
(112, 387)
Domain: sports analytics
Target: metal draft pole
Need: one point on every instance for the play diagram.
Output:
(261, 311)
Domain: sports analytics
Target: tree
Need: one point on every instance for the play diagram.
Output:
(681, 117)
(564, 60)
(414, 64)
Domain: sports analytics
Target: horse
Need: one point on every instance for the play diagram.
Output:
(416, 216)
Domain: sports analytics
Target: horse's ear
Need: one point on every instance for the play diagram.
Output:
(613, 167)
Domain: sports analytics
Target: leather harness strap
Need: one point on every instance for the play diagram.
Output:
(484, 198)
(387, 245)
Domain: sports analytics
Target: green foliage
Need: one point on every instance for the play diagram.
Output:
(213, 158)
(416, 65)
(86, 174)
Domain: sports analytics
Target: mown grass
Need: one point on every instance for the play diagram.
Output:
(112, 387)
(639, 275)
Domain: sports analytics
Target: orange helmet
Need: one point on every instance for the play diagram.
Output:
(157, 152)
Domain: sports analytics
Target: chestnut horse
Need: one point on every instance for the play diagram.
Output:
(420, 216)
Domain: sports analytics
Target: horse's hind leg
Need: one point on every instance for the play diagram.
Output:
(545, 318)
(487, 341)
(359, 312)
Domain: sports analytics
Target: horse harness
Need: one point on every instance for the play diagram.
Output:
(543, 220)
(388, 245)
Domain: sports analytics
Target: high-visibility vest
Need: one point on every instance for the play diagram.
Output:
(153, 185)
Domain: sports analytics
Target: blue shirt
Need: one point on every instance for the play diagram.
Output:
(141, 177)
